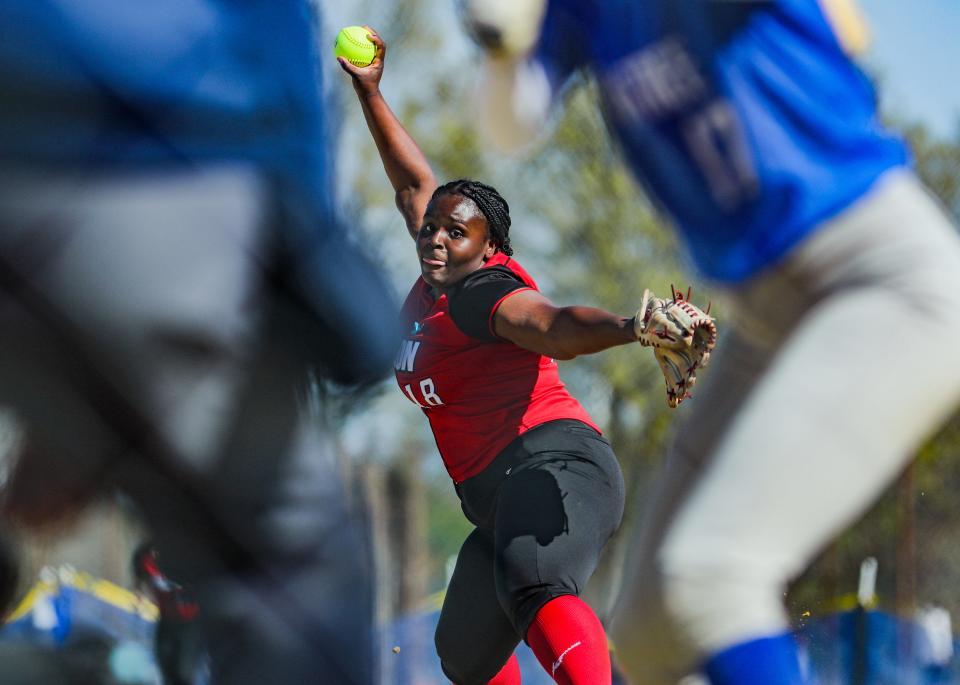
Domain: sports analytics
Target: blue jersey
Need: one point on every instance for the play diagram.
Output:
(109, 83)
(746, 120)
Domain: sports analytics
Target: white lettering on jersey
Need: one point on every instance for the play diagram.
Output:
(662, 83)
(655, 82)
(428, 393)
(715, 139)
(406, 356)
(407, 389)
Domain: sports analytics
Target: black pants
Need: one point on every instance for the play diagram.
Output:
(544, 508)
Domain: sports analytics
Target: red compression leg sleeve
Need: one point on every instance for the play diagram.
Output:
(569, 642)
(509, 674)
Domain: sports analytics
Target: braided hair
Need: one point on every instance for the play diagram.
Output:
(491, 205)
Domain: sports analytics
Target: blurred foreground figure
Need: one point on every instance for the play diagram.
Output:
(178, 643)
(170, 268)
(751, 126)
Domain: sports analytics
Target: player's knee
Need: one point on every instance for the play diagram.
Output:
(456, 674)
(524, 587)
(448, 654)
(522, 604)
(462, 664)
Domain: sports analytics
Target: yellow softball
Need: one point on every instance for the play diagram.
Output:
(354, 45)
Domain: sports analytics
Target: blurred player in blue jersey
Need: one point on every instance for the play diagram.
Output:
(170, 268)
(750, 125)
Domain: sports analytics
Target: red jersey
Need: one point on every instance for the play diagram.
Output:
(479, 394)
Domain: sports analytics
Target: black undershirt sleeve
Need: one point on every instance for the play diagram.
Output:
(473, 300)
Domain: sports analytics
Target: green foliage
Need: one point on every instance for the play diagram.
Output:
(938, 163)
(446, 531)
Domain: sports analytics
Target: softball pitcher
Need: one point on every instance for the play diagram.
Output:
(758, 135)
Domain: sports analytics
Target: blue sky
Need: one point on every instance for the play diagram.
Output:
(916, 53)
